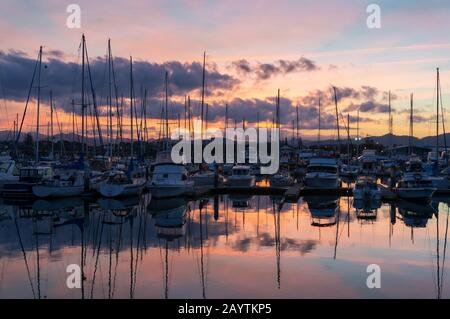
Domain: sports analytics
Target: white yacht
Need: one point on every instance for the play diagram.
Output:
(120, 184)
(281, 180)
(367, 189)
(241, 177)
(65, 184)
(170, 180)
(7, 171)
(206, 177)
(415, 187)
(322, 173)
(351, 169)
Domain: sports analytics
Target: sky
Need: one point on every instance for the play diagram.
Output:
(253, 48)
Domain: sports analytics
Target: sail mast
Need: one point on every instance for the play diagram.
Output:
(83, 105)
(38, 104)
(411, 126)
(51, 123)
(437, 116)
(131, 105)
(337, 118)
(110, 100)
(203, 91)
(318, 134)
(166, 114)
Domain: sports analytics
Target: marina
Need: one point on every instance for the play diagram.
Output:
(201, 150)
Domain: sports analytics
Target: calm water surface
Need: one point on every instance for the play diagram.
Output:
(230, 246)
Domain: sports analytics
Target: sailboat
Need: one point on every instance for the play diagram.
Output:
(69, 182)
(29, 175)
(281, 179)
(7, 170)
(120, 183)
(415, 184)
(169, 179)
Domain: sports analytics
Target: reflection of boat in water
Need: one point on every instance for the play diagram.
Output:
(57, 204)
(366, 209)
(366, 188)
(241, 201)
(366, 204)
(118, 204)
(323, 209)
(414, 214)
(169, 216)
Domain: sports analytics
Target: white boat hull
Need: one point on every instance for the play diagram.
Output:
(121, 190)
(171, 190)
(322, 181)
(241, 181)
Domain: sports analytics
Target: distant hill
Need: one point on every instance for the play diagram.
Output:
(385, 140)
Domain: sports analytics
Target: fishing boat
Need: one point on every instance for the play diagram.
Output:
(170, 180)
(241, 177)
(366, 189)
(322, 173)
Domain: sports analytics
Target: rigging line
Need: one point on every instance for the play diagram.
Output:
(4, 97)
(445, 250)
(27, 101)
(97, 255)
(24, 256)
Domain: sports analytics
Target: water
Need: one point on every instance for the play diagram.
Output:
(223, 247)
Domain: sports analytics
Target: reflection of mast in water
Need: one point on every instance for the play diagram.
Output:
(276, 219)
(392, 223)
(257, 221)
(202, 270)
(24, 255)
(440, 268)
(337, 229)
(226, 218)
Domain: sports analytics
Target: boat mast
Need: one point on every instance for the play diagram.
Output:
(83, 105)
(318, 134)
(391, 131)
(337, 118)
(166, 113)
(51, 123)
(131, 106)
(357, 133)
(203, 92)
(411, 126)
(38, 103)
(437, 116)
(348, 138)
(110, 133)
(297, 128)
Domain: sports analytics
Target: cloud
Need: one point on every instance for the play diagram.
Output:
(368, 107)
(64, 78)
(265, 71)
